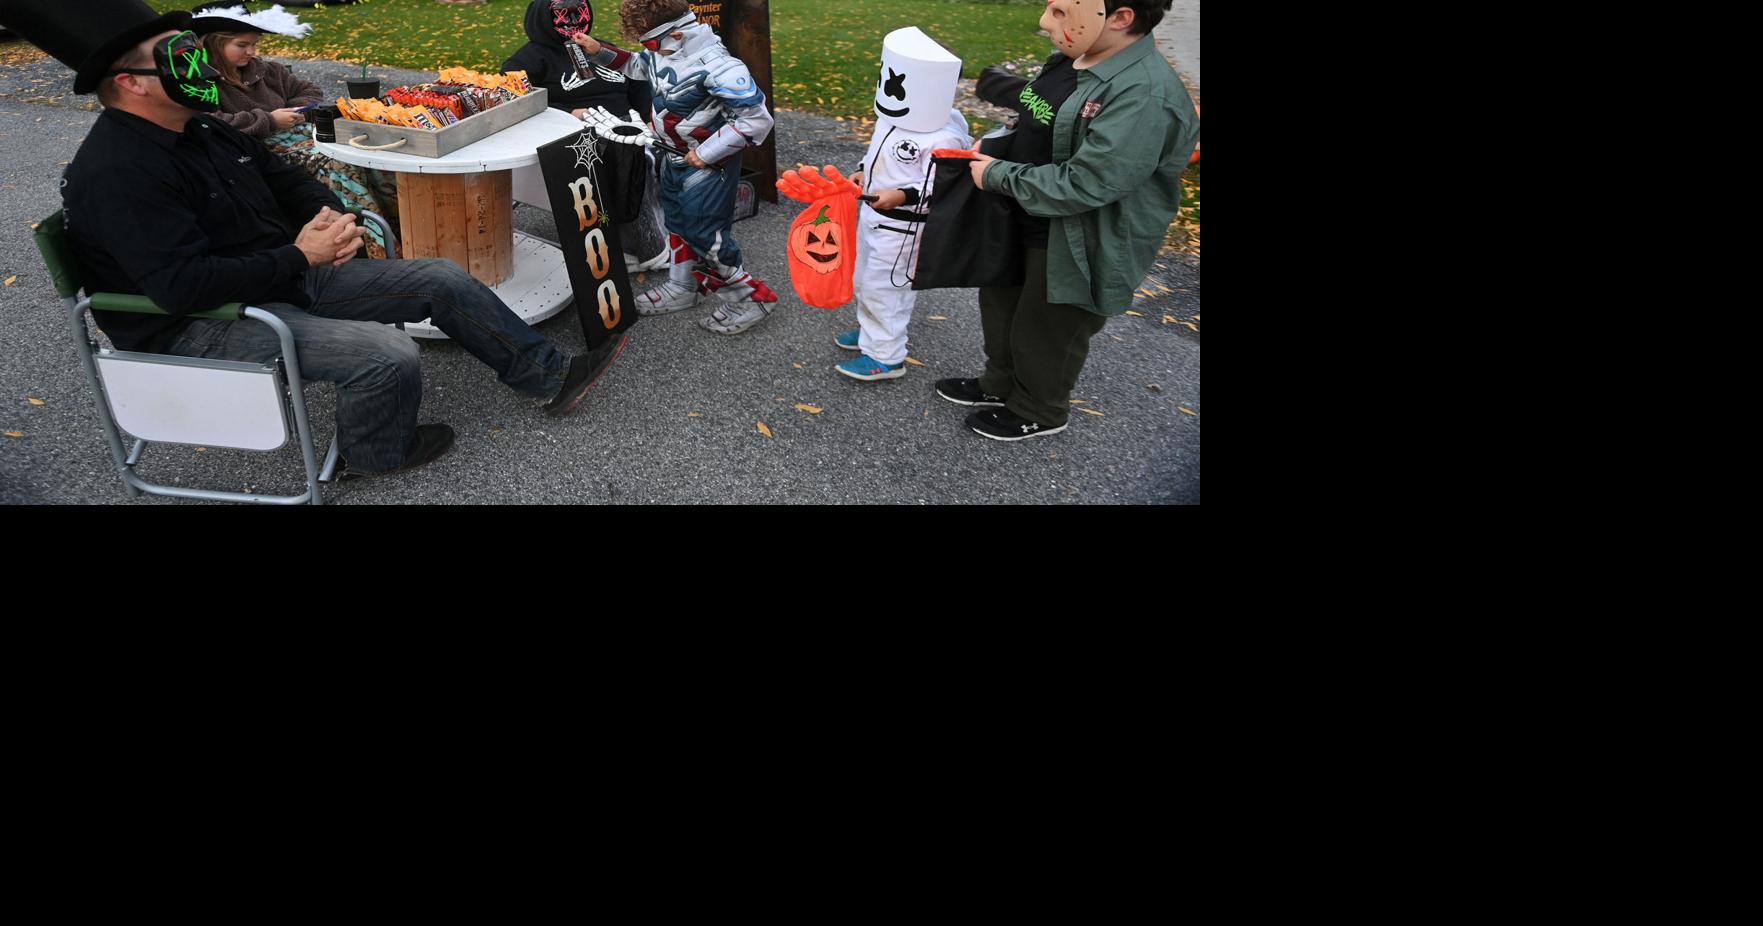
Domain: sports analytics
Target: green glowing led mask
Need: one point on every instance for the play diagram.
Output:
(185, 74)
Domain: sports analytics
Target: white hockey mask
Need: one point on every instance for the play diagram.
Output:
(1075, 25)
(917, 82)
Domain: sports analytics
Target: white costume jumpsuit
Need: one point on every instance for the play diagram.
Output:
(897, 159)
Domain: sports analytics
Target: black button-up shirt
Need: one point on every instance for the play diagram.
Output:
(192, 220)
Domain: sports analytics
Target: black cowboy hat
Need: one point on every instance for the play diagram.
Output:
(68, 31)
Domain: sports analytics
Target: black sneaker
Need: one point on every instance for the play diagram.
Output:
(584, 371)
(428, 444)
(1004, 424)
(966, 392)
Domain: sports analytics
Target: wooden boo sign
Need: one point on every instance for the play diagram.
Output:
(576, 169)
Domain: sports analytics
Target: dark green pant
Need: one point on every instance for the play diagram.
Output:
(1034, 350)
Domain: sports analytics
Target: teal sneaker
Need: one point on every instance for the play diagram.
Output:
(865, 368)
(847, 339)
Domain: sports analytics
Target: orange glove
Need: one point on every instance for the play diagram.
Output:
(807, 184)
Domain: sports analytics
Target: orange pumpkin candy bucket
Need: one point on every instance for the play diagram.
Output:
(823, 238)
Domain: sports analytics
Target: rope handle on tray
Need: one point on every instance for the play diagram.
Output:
(356, 143)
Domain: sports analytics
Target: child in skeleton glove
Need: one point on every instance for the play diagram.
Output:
(706, 104)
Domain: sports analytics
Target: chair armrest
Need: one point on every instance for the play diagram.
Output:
(124, 302)
(365, 217)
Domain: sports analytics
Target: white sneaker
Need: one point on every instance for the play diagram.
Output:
(667, 298)
(734, 319)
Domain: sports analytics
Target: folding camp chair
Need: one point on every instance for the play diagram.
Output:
(159, 398)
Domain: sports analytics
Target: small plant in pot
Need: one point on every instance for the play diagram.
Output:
(363, 88)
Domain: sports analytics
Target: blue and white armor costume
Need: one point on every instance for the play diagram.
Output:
(705, 101)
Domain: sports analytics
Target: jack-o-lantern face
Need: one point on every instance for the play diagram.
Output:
(816, 243)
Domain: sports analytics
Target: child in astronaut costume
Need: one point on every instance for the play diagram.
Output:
(913, 98)
(707, 105)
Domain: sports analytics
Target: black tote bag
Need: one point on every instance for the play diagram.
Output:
(970, 237)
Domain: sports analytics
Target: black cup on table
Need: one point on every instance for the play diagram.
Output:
(363, 89)
(324, 122)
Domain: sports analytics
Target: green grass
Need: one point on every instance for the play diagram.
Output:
(826, 56)
(825, 53)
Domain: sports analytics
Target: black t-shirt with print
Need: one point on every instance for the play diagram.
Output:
(1036, 107)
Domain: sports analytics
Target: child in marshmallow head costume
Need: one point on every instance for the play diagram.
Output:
(914, 116)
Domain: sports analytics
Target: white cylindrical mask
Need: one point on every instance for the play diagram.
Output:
(917, 82)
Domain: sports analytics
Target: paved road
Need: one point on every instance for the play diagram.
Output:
(1179, 37)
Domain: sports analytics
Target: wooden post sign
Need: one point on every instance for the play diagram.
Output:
(579, 172)
(745, 27)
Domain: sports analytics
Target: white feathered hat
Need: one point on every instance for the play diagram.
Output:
(222, 17)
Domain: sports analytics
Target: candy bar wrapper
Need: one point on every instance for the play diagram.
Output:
(369, 110)
(515, 82)
(583, 67)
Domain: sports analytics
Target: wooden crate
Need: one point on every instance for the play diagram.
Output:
(426, 144)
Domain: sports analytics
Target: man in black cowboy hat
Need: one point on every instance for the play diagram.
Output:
(164, 201)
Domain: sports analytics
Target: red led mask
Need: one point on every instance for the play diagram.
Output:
(570, 17)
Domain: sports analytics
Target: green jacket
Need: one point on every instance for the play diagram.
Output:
(1115, 181)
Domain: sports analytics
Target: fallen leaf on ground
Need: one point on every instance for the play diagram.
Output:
(913, 362)
(796, 365)
(764, 430)
(939, 318)
(1090, 411)
(1192, 325)
(808, 408)
(13, 433)
(12, 279)
(1187, 411)
(693, 415)
(36, 401)
(1135, 314)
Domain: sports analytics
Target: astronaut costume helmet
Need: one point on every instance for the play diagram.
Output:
(916, 87)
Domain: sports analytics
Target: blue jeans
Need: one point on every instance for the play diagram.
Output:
(699, 206)
(346, 338)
